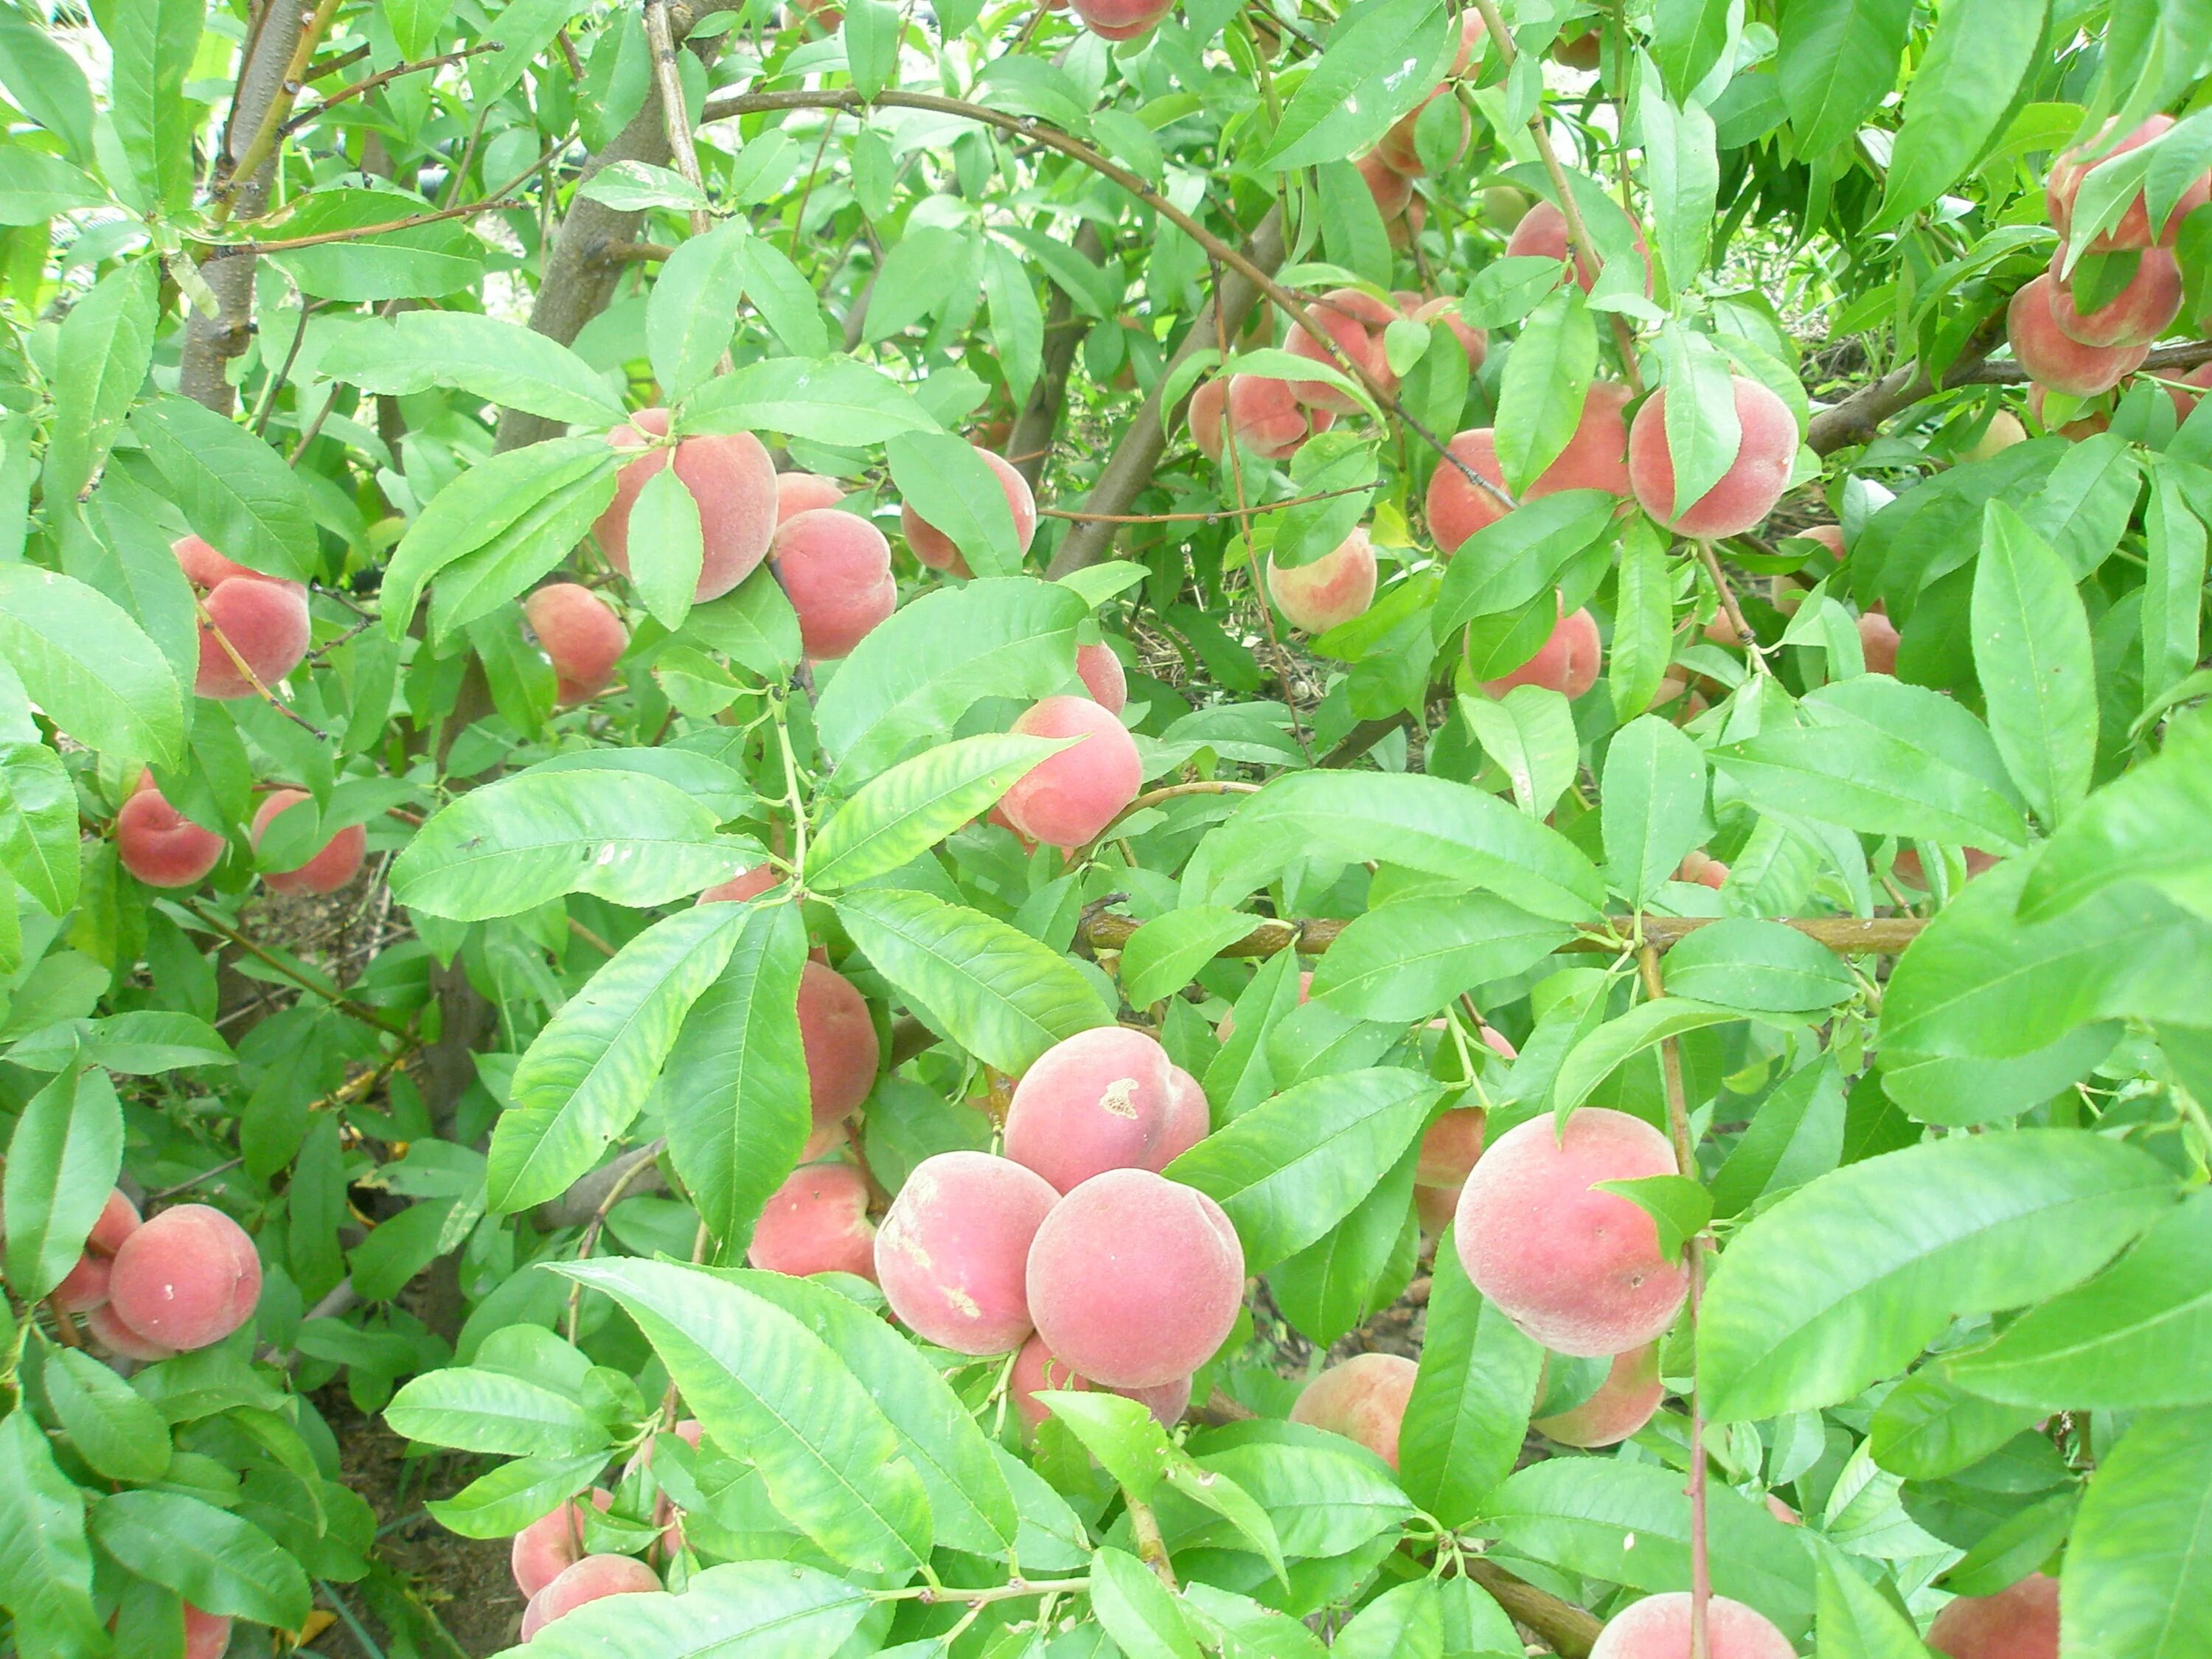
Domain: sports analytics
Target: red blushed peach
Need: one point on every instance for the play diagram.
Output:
(1354, 319)
(952, 1252)
(2185, 403)
(1595, 458)
(1569, 662)
(1781, 1512)
(118, 1219)
(1578, 1269)
(1331, 591)
(1541, 234)
(2054, 359)
(1267, 419)
(746, 884)
(1134, 1279)
(1909, 868)
(266, 623)
(1830, 536)
(205, 569)
(2018, 1622)
(1390, 188)
(2133, 228)
(161, 847)
(835, 568)
(118, 1339)
(730, 478)
(1658, 1627)
(2074, 431)
(1450, 1147)
(1623, 1403)
(1403, 231)
(1363, 1399)
(1585, 51)
(582, 636)
(84, 1287)
(2135, 316)
(1067, 800)
(1471, 30)
(842, 1047)
(338, 863)
(1445, 309)
(805, 492)
(1101, 672)
(1398, 150)
(1122, 19)
(207, 1635)
(1433, 1207)
(1207, 416)
(1035, 1370)
(550, 1545)
(1766, 449)
(1705, 870)
(1097, 1101)
(591, 1579)
(186, 1278)
(937, 551)
(1189, 1117)
(817, 1222)
(1878, 642)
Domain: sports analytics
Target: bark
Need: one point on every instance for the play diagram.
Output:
(1038, 424)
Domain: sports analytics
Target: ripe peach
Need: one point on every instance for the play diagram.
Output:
(803, 492)
(2018, 1622)
(1909, 868)
(1036, 1369)
(1878, 642)
(1332, 589)
(730, 477)
(1398, 150)
(160, 846)
(207, 1635)
(1541, 234)
(1568, 662)
(1623, 1403)
(186, 1278)
(589, 1580)
(109, 1331)
(2055, 359)
(746, 884)
(1445, 309)
(1766, 449)
(1433, 1207)
(937, 551)
(1189, 1117)
(1208, 416)
(205, 569)
(1595, 458)
(1100, 671)
(1122, 19)
(2003, 431)
(1658, 1627)
(1068, 799)
(118, 1219)
(1267, 419)
(1135, 1279)
(1471, 30)
(2135, 316)
(1354, 319)
(84, 1287)
(338, 863)
(2133, 228)
(1390, 188)
(2074, 431)
(1363, 1399)
(1450, 1147)
(836, 570)
(1405, 230)
(266, 623)
(1099, 1100)
(952, 1254)
(2185, 403)
(1578, 1269)
(1830, 536)
(817, 1222)
(839, 1038)
(1584, 52)
(550, 1545)
(1706, 872)
(582, 636)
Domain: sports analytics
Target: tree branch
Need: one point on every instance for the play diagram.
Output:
(1567, 1629)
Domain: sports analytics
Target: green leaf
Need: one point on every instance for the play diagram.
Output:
(2032, 654)
(1244, 1629)
(46, 1564)
(667, 547)
(1137, 1611)
(762, 1609)
(872, 32)
(2145, 826)
(1797, 1135)
(1760, 966)
(1928, 1427)
(113, 1430)
(1643, 619)
(1848, 1279)
(501, 1502)
(232, 488)
(152, 44)
(511, 846)
(91, 668)
(1679, 1206)
(44, 81)
(2138, 1569)
(1377, 63)
(502, 362)
(1687, 38)
(1652, 805)
(62, 1163)
(1838, 59)
(1960, 96)
(733, 1093)
(1546, 382)
(1404, 1622)
(784, 297)
(495, 1412)
(692, 311)
(102, 355)
(630, 187)
(1530, 733)
(1403, 961)
(1000, 994)
(1682, 169)
(828, 400)
(218, 1561)
(1606, 1049)
(754, 626)
(415, 24)
(585, 1078)
(756, 1378)
(1508, 565)
(1858, 1621)
(1289, 1170)
(1705, 434)
(420, 262)
(948, 483)
(1469, 1412)
(1165, 954)
(39, 824)
(901, 814)
(2173, 588)
(1357, 1268)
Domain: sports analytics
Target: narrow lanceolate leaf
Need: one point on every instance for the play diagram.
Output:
(504, 363)
(1960, 95)
(1403, 961)
(587, 1076)
(693, 309)
(1165, 954)
(830, 400)
(762, 1609)
(62, 1163)
(1682, 171)
(1848, 1279)
(495, 1413)
(218, 1561)
(2138, 1574)
(667, 547)
(899, 815)
(45, 1563)
(513, 845)
(101, 353)
(232, 488)
(1003, 996)
(1652, 805)
(39, 824)
(89, 666)
(948, 483)
(756, 1378)
(1546, 381)
(1703, 432)
(2032, 654)
(733, 1093)
(1469, 1410)
(112, 1427)
(2143, 826)
(1858, 1621)
(1377, 62)
(1605, 1050)
(1838, 59)
(1289, 1171)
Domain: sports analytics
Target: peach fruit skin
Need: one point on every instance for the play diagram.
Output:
(937, 551)
(1331, 591)
(1567, 662)
(1035, 1367)
(337, 862)
(730, 477)
(550, 1545)
(161, 847)
(266, 622)
(1658, 1627)
(1595, 458)
(1068, 799)
(2135, 316)
(817, 1222)
(803, 492)
(2053, 359)
(2132, 229)
(952, 1254)
(2018, 1622)
(1102, 677)
(589, 1580)
(1099, 1100)
(839, 1039)
(112, 1334)
(1363, 1399)
(1578, 1269)
(582, 637)
(207, 1635)
(1134, 1279)
(1878, 642)
(186, 1278)
(1623, 1403)
(1123, 20)
(1541, 234)
(837, 568)
(1355, 320)
(1765, 450)
(746, 884)
(1190, 1116)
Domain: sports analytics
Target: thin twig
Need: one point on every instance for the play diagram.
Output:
(246, 672)
(1212, 516)
(369, 83)
(674, 113)
(1744, 636)
(339, 1000)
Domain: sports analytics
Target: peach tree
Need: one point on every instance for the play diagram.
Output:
(1158, 827)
